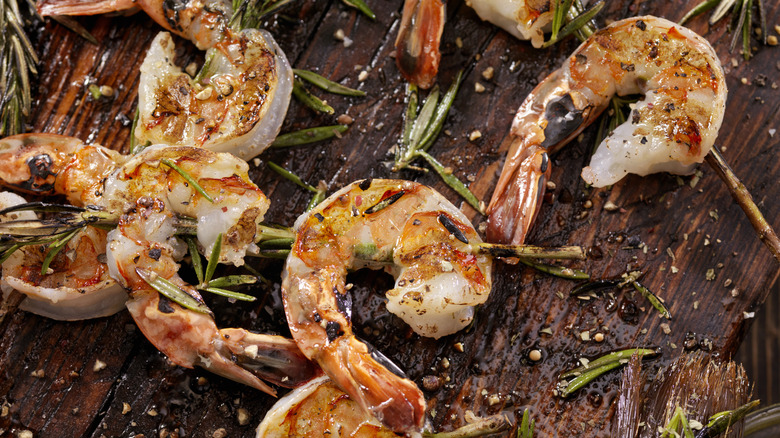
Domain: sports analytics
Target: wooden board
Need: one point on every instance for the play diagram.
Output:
(673, 230)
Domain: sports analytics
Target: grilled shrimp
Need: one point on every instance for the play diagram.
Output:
(422, 24)
(151, 192)
(413, 233)
(671, 129)
(236, 104)
(147, 197)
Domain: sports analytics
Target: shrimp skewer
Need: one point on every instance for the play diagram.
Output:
(413, 233)
(670, 130)
(236, 105)
(147, 195)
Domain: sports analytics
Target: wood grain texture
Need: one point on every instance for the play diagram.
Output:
(665, 222)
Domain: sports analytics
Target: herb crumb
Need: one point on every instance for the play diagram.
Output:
(666, 329)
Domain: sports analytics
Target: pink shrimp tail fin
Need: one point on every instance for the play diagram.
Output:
(417, 45)
(83, 7)
(395, 401)
(518, 195)
(190, 339)
(275, 359)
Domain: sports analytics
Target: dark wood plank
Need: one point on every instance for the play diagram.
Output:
(691, 228)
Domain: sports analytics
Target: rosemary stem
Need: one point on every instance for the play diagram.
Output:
(531, 251)
(483, 426)
(740, 194)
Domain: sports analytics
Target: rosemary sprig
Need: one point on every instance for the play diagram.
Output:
(592, 369)
(722, 421)
(248, 14)
(54, 249)
(361, 6)
(309, 135)
(217, 285)
(526, 429)
(563, 10)
(18, 62)
(421, 127)
(557, 271)
(187, 177)
(305, 97)
(701, 8)
(319, 191)
(54, 231)
(213, 259)
(453, 181)
(172, 292)
(326, 84)
(483, 426)
(741, 22)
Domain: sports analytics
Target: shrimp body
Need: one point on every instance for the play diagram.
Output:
(238, 108)
(416, 235)
(670, 129)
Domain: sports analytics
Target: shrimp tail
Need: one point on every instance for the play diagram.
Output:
(275, 359)
(190, 339)
(550, 117)
(417, 44)
(515, 204)
(81, 7)
(392, 399)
